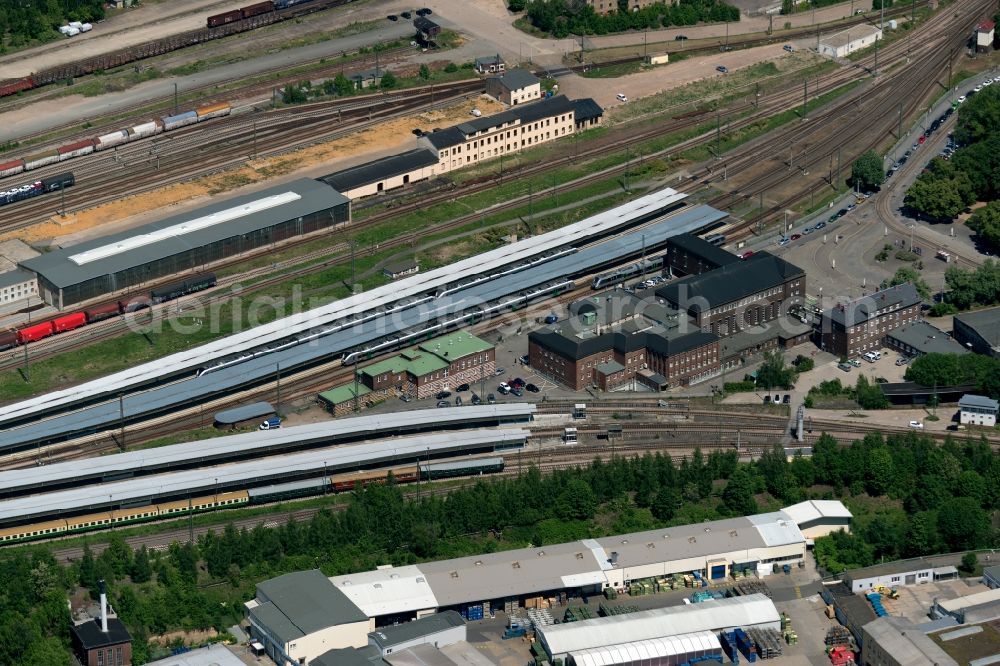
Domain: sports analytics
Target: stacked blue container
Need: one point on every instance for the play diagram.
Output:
(728, 641)
(473, 612)
(745, 645)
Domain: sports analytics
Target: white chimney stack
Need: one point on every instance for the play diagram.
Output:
(104, 608)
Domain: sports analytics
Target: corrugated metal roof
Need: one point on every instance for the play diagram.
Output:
(214, 654)
(574, 637)
(262, 442)
(388, 591)
(250, 473)
(310, 601)
(59, 268)
(981, 401)
(408, 631)
(686, 645)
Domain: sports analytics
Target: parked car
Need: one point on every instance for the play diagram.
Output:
(424, 11)
(787, 399)
(517, 392)
(491, 398)
(788, 47)
(498, 372)
(443, 394)
(767, 399)
(518, 382)
(406, 15)
(820, 225)
(846, 367)
(784, 241)
(405, 397)
(444, 403)
(795, 237)
(531, 388)
(458, 401)
(855, 362)
(722, 69)
(622, 97)
(504, 387)
(524, 359)
(902, 360)
(392, 17)
(747, 254)
(917, 424)
(461, 387)
(476, 400)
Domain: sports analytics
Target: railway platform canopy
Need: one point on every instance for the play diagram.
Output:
(244, 413)
(344, 317)
(187, 241)
(102, 469)
(241, 476)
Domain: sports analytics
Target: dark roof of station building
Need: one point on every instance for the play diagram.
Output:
(860, 310)
(525, 113)
(364, 656)
(926, 339)
(58, 268)
(657, 340)
(90, 635)
(586, 109)
(380, 169)
(730, 283)
(699, 247)
(517, 78)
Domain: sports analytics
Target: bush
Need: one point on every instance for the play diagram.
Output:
(803, 363)
(451, 68)
(516, 5)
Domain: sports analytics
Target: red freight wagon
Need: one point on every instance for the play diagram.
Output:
(14, 87)
(34, 333)
(259, 8)
(99, 312)
(223, 19)
(69, 322)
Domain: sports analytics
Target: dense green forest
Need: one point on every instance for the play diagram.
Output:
(947, 187)
(909, 496)
(560, 18)
(27, 21)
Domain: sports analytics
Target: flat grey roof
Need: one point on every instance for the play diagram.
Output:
(215, 654)
(310, 601)
(889, 568)
(408, 631)
(259, 443)
(253, 472)
(985, 322)
(852, 34)
(60, 270)
(926, 339)
(16, 276)
(244, 413)
(699, 247)
(380, 169)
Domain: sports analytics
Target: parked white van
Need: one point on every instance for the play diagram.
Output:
(873, 356)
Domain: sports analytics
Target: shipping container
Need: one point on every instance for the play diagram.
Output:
(41, 159)
(111, 140)
(257, 9)
(214, 111)
(77, 149)
(105, 311)
(75, 24)
(11, 168)
(33, 333)
(224, 18)
(55, 183)
(8, 339)
(69, 322)
(180, 120)
(145, 129)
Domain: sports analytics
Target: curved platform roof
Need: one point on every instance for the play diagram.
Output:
(254, 472)
(259, 443)
(368, 301)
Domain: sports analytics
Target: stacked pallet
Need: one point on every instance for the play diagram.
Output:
(768, 641)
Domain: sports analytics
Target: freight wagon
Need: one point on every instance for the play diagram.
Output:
(116, 138)
(34, 333)
(69, 322)
(14, 87)
(223, 19)
(55, 183)
(178, 289)
(8, 340)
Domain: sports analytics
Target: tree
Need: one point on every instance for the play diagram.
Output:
(293, 94)
(738, 493)
(868, 395)
(803, 363)
(963, 524)
(343, 85)
(934, 198)
(880, 471)
(905, 274)
(88, 569)
(451, 68)
(986, 223)
(665, 503)
(425, 72)
(576, 501)
(787, 7)
(516, 5)
(388, 81)
(969, 563)
(142, 571)
(773, 373)
(866, 172)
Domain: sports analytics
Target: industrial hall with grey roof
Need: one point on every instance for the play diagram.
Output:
(188, 241)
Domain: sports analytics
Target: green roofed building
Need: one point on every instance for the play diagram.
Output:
(341, 399)
(419, 372)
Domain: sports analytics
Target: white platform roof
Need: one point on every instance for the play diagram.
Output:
(659, 648)
(387, 591)
(813, 510)
(574, 637)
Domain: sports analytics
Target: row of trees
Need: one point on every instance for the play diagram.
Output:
(948, 187)
(28, 21)
(927, 499)
(967, 288)
(957, 369)
(560, 18)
